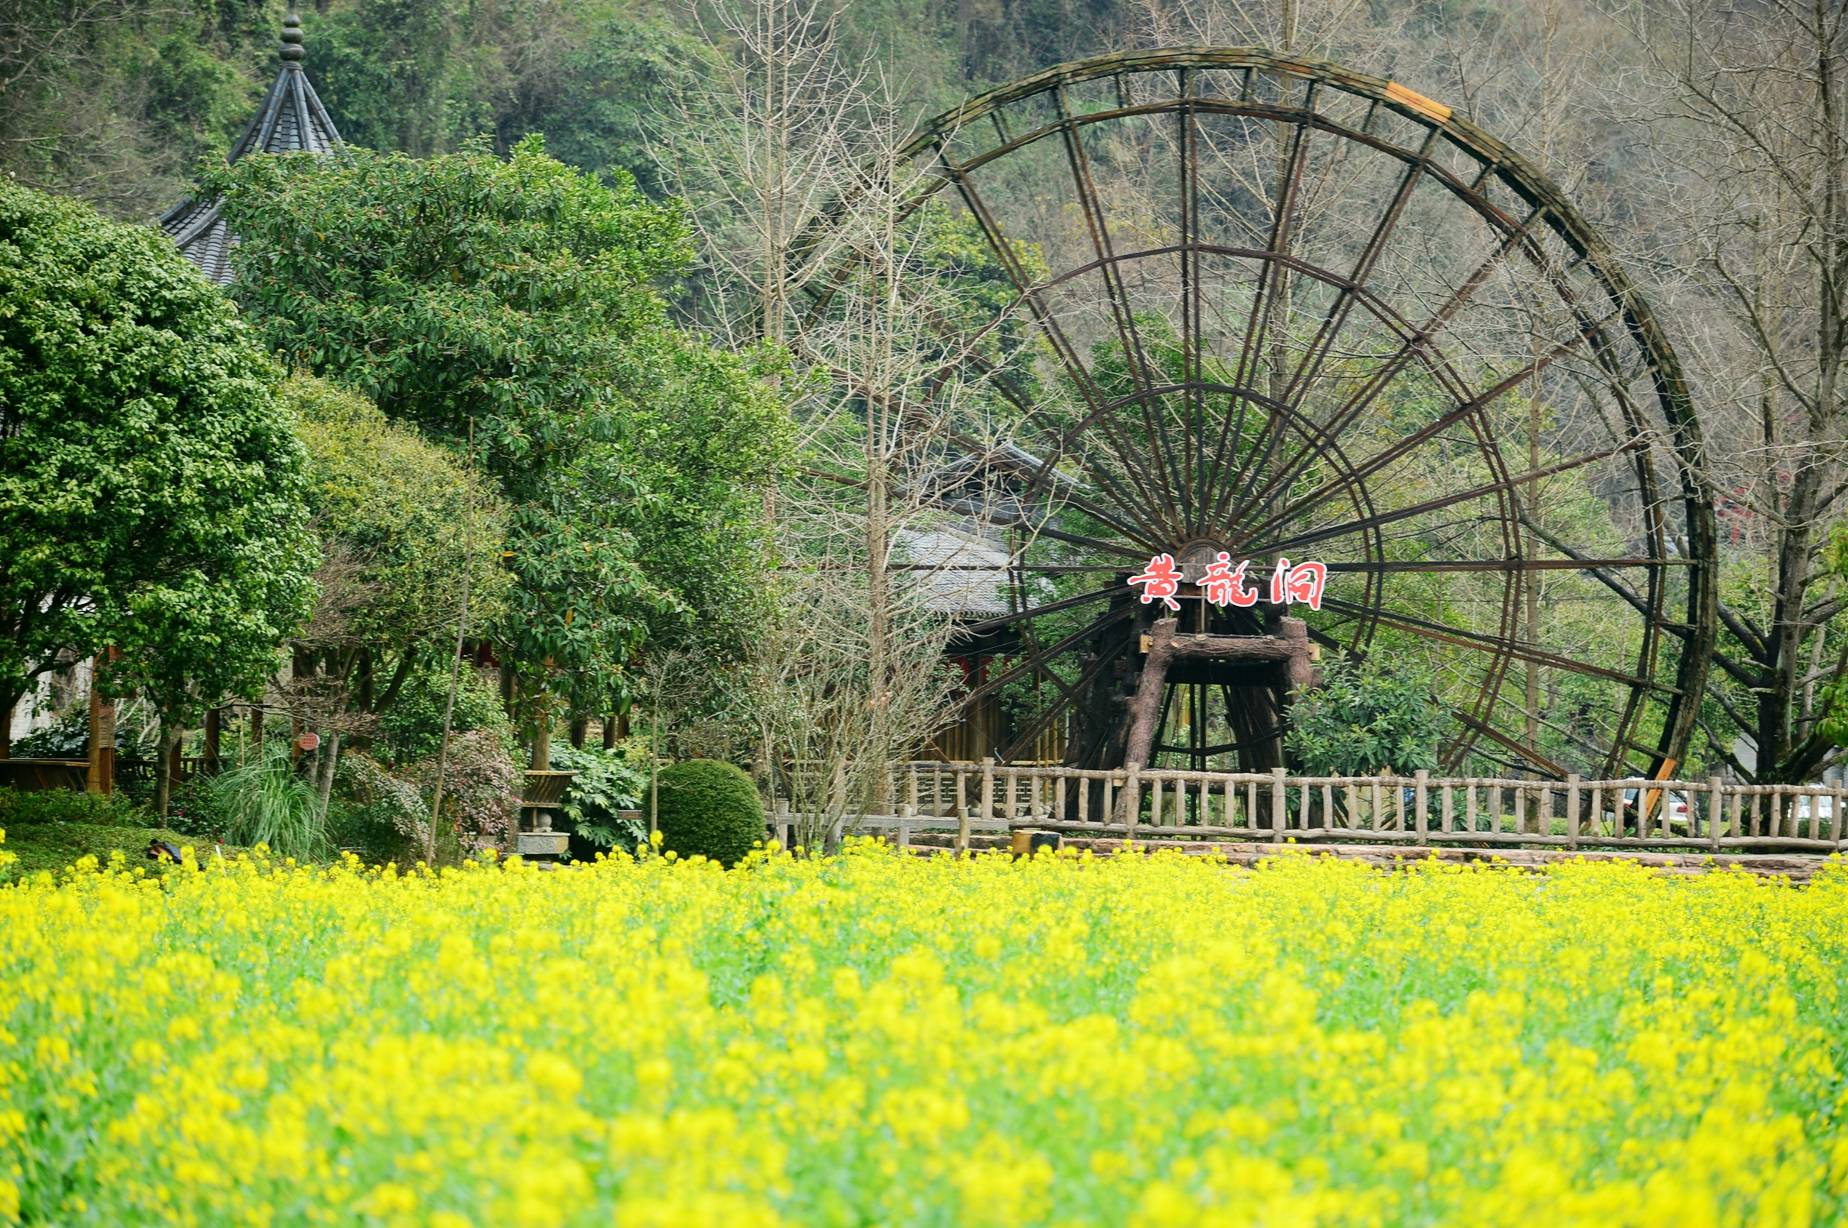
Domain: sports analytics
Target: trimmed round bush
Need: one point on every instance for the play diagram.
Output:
(711, 808)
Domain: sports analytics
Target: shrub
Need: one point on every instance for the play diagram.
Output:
(710, 808)
(196, 810)
(481, 789)
(21, 808)
(378, 814)
(68, 737)
(1375, 716)
(605, 783)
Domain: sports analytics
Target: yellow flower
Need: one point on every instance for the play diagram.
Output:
(875, 1038)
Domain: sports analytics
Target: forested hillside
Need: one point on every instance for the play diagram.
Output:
(114, 100)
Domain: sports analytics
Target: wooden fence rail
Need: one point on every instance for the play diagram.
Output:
(1419, 809)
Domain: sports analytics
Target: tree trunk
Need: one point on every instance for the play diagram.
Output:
(580, 730)
(166, 763)
(609, 732)
(101, 777)
(6, 730)
(214, 721)
(1784, 661)
(330, 762)
(542, 732)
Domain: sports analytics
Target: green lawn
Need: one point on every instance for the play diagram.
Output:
(54, 844)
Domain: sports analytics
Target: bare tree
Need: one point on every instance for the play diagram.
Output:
(1743, 119)
(805, 204)
(759, 147)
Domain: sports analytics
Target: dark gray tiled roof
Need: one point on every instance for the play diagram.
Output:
(291, 120)
(961, 573)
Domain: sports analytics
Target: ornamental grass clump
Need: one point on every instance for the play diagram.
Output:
(267, 802)
(710, 809)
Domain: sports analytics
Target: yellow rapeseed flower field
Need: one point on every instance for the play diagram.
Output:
(879, 1039)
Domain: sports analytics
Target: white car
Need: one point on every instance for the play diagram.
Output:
(1677, 808)
(1824, 807)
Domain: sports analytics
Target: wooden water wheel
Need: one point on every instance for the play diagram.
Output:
(1281, 309)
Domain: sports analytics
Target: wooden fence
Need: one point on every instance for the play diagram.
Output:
(1155, 805)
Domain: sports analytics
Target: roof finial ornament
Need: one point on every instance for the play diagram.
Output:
(291, 49)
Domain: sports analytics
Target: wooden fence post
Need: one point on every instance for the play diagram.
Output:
(1280, 807)
(984, 805)
(1131, 801)
(1572, 811)
(905, 811)
(1421, 796)
(1716, 807)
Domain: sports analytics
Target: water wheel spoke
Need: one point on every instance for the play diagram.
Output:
(1473, 407)
(1265, 295)
(1037, 660)
(1121, 313)
(1416, 342)
(1068, 699)
(1061, 346)
(1437, 503)
(1051, 607)
(1460, 637)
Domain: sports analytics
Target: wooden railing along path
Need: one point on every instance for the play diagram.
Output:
(1421, 810)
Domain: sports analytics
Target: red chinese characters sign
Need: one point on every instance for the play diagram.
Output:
(1225, 585)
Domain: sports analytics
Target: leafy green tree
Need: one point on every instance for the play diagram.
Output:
(1367, 717)
(511, 296)
(406, 531)
(595, 104)
(151, 491)
(510, 308)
